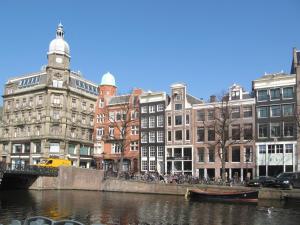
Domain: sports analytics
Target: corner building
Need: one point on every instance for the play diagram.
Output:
(49, 113)
(275, 124)
(117, 118)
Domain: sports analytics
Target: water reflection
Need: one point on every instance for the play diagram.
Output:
(121, 208)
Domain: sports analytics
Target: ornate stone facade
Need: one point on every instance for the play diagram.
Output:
(49, 113)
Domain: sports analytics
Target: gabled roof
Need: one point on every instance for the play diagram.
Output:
(193, 100)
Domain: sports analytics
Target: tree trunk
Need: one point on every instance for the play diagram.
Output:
(223, 164)
(120, 169)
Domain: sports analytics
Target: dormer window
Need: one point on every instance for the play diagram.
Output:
(235, 95)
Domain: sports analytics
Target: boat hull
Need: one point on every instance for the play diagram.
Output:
(249, 196)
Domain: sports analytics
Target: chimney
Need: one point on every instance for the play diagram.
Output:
(213, 98)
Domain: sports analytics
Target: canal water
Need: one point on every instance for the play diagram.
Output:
(91, 207)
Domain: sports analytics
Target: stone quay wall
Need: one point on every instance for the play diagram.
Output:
(72, 178)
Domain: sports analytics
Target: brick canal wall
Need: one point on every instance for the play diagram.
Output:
(72, 178)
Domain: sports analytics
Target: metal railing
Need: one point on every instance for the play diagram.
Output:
(8, 168)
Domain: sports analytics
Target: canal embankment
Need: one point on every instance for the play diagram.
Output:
(72, 178)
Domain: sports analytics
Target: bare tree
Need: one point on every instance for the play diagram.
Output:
(222, 123)
(119, 119)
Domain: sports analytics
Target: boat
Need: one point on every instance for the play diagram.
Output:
(233, 196)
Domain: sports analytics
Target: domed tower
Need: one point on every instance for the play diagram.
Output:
(59, 51)
(108, 85)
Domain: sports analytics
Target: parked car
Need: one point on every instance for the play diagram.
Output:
(262, 181)
(288, 180)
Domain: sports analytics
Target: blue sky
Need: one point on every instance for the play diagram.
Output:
(209, 45)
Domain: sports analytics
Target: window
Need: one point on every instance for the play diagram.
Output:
(236, 132)
(262, 130)
(100, 132)
(144, 165)
(178, 135)
(101, 118)
(235, 113)
(144, 122)
(235, 95)
(160, 121)
(201, 154)
(134, 130)
(288, 110)
(134, 146)
(134, 114)
(101, 103)
(151, 121)
(30, 101)
(111, 132)
(151, 137)
(144, 151)
(247, 111)
(236, 157)
(178, 120)
(211, 155)
(262, 149)
(56, 114)
(144, 137)
(118, 116)
(24, 102)
(271, 149)
(73, 102)
(152, 166)
(200, 134)
(160, 136)
(83, 120)
(288, 92)
(288, 129)
(200, 115)
(151, 109)
(187, 119)
(169, 120)
(160, 151)
(275, 110)
(83, 105)
(210, 115)
(289, 148)
(248, 154)
(169, 135)
(262, 95)
(187, 135)
(111, 116)
(275, 129)
(248, 132)
(160, 107)
(279, 148)
(91, 107)
(74, 117)
(17, 103)
(177, 152)
(115, 148)
(275, 93)
(211, 134)
(144, 109)
(178, 96)
(178, 106)
(152, 151)
(262, 112)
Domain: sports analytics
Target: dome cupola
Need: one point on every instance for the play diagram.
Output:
(108, 79)
(59, 45)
